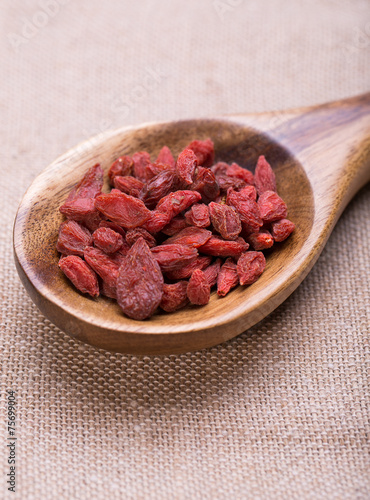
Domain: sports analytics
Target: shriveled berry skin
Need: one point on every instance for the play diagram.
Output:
(165, 157)
(248, 192)
(225, 220)
(247, 209)
(261, 240)
(134, 234)
(226, 182)
(81, 275)
(73, 238)
(250, 266)
(159, 186)
(185, 166)
(90, 185)
(264, 177)
(218, 247)
(175, 225)
(174, 296)
(198, 215)
(198, 289)
(281, 229)
(220, 168)
(105, 266)
(107, 240)
(174, 203)
(227, 277)
(173, 256)
(123, 166)
(125, 210)
(190, 236)
(206, 184)
(200, 262)
(204, 151)
(271, 207)
(139, 282)
(128, 184)
(211, 272)
(114, 226)
(235, 170)
(141, 162)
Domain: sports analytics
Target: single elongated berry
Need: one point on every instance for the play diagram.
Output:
(81, 275)
(173, 256)
(198, 289)
(73, 238)
(264, 177)
(190, 236)
(250, 266)
(227, 277)
(174, 296)
(204, 151)
(123, 209)
(185, 166)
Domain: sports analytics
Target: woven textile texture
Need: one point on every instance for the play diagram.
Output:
(280, 412)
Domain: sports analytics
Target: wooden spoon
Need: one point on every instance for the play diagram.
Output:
(321, 157)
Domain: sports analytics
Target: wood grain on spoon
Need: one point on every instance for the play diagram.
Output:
(321, 158)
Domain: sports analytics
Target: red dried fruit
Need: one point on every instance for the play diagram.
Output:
(89, 186)
(114, 226)
(235, 170)
(129, 185)
(218, 247)
(247, 209)
(225, 220)
(281, 229)
(141, 162)
(123, 166)
(211, 272)
(158, 187)
(105, 267)
(264, 177)
(175, 203)
(201, 262)
(220, 168)
(82, 210)
(250, 266)
(185, 166)
(261, 240)
(227, 277)
(198, 289)
(165, 157)
(204, 151)
(206, 184)
(123, 209)
(73, 238)
(157, 221)
(225, 182)
(139, 283)
(175, 225)
(81, 275)
(134, 234)
(272, 207)
(190, 236)
(248, 192)
(107, 240)
(198, 215)
(173, 256)
(174, 296)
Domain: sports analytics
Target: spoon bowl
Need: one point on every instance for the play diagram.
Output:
(320, 157)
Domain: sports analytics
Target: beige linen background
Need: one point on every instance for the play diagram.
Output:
(280, 412)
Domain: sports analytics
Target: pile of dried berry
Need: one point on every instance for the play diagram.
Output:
(170, 230)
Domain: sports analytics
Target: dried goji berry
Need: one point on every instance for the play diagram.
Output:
(157, 221)
(261, 240)
(139, 282)
(198, 215)
(204, 151)
(173, 256)
(174, 203)
(198, 289)
(271, 206)
(220, 168)
(128, 184)
(104, 266)
(123, 166)
(225, 220)
(185, 166)
(82, 210)
(206, 184)
(247, 209)
(281, 229)
(226, 181)
(227, 277)
(134, 234)
(201, 262)
(141, 162)
(81, 275)
(264, 177)
(73, 238)
(235, 170)
(211, 272)
(174, 296)
(250, 266)
(176, 224)
(123, 209)
(158, 187)
(90, 185)
(107, 240)
(114, 226)
(190, 236)
(248, 192)
(165, 157)
(218, 247)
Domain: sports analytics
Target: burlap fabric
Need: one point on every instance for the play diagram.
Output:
(282, 411)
